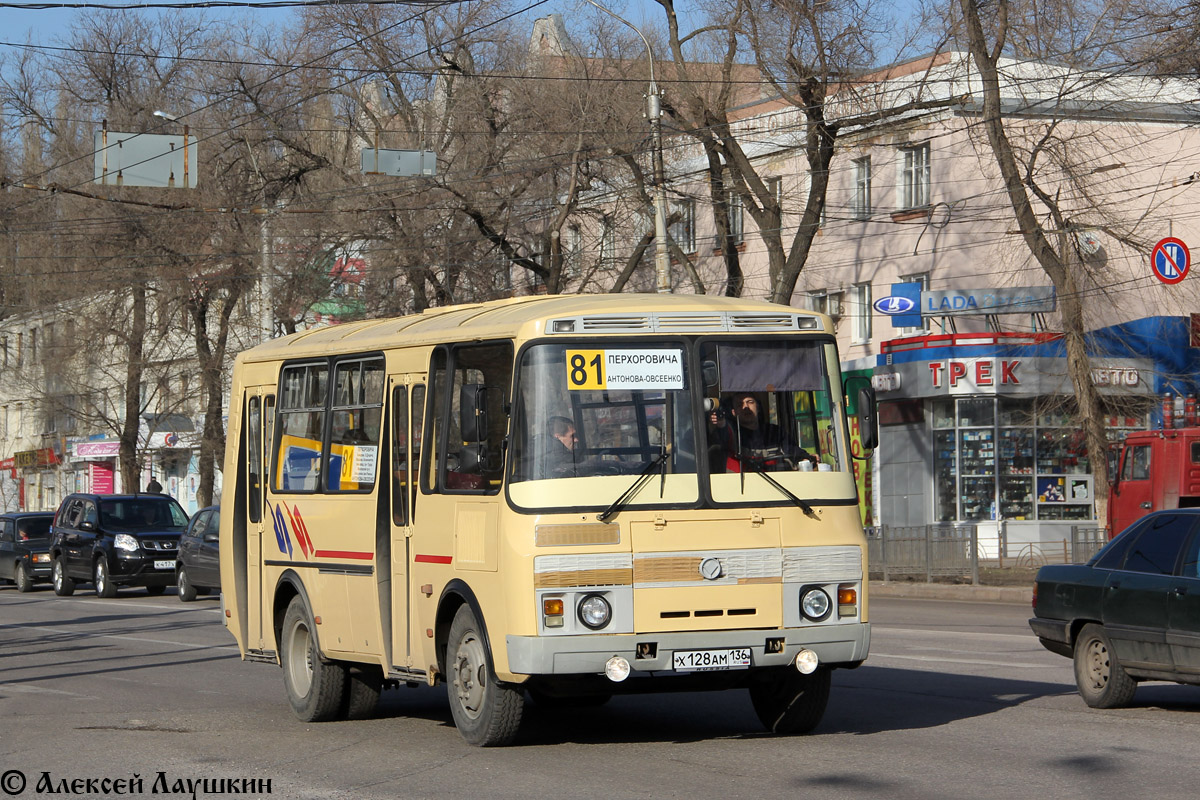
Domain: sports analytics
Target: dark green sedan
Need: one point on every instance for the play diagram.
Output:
(1130, 614)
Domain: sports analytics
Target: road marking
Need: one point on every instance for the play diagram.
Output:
(27, 689)
(1025, 637)
(140, 639)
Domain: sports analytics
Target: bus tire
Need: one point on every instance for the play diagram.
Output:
(486, 712)
(314, 686)
(363, 686)
(64, 586)
(788, 702)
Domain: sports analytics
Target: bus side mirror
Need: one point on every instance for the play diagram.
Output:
(868, 418)
(472, 412)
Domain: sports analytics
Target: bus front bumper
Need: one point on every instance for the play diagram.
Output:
(835, 645)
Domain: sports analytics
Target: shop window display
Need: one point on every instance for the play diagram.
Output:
(1003, 459)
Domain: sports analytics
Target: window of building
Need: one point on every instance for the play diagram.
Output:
(33, 344)
(861, 203)
(914, 177)
(683, 231)
(860, 308)
(775, 187)
(737, 219)
(573, 251)
(608, 241)
(825, 302)
(996, 458)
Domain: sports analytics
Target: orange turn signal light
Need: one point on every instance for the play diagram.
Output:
(552, 606)
(847, 596)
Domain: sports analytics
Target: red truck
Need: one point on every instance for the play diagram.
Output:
(1158, 470)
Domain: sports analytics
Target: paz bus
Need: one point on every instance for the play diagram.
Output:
(549, 499)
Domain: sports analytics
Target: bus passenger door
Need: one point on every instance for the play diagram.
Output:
(408, 414)
(260, 417)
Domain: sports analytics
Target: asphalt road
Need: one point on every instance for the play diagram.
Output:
(957, 700)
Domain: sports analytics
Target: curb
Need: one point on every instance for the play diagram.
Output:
(950, 591)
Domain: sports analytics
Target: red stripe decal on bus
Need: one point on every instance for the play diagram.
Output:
(344, 554)
(433, 559)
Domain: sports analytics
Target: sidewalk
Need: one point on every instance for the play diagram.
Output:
(952, 591)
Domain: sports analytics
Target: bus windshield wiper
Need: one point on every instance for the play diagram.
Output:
(757, 468)
(643, 478)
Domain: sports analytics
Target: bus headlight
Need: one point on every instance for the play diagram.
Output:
(815, 604)
(594, 611)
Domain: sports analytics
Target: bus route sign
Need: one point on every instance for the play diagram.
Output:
(1170, 260)
(596, 370)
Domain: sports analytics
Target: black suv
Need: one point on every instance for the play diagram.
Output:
(24, 547)
(116, 540)
(198, 570)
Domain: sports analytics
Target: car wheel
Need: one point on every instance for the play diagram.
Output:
(486, 712)
(1102, 681)
(788, 702)
(314, 686)
(155, 591)
(102, 580)
(363, 686)
(63, 585)
(24, 578)
(187, 592)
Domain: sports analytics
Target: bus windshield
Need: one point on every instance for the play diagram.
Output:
(601, 409)
(592, 411)
(769, 407)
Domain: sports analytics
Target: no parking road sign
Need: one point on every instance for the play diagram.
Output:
(1170, 260)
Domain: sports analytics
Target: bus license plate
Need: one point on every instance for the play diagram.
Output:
(703, 660)
(164, 564)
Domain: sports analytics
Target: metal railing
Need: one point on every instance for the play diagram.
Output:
(956, 550)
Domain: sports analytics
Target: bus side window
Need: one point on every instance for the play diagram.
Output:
(302, 403)
(268, 442)
(414, 445)
(484, 372)
(400, 455)
(254, 459)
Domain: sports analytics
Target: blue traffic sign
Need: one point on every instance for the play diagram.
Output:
(1170, 260)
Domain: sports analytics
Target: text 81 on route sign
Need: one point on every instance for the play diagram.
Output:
(1170, 260)
(633, 370)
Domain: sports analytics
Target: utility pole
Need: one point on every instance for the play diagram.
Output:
(662, 263)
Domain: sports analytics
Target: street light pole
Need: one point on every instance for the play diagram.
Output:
(173, 118)
(662, 264)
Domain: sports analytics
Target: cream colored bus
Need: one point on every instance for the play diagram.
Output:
(551, 500)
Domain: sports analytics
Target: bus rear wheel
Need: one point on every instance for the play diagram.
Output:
(364, 683)
(314, 687)
(788, 702)
(486, 712)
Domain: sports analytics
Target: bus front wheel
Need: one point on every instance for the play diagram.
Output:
(787, 702)
(486, 712)
(314, 686)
